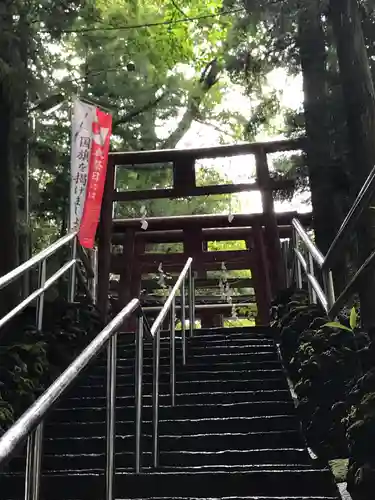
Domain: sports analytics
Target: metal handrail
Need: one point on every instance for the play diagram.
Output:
(168, 303)
(310, 245)
(30, 425)
(44, 284)
(361, 202)
(351, 286)
(37, 259)
(38, 294)
(313, 282)
(326, 295)
(170, 306)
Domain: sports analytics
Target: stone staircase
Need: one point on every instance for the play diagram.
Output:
(233, 434)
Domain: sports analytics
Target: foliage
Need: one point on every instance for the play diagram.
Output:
(217, 246)
(262, 39)
(245, 317)
(157, 73)
(324, 360)
(294, 168)
(331, 365)
(339, 469)
(360, 425)
(238, 323)
(353, 322)
(156, 80)
(31, 360)
(266, 37)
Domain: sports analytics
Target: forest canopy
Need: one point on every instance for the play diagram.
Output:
(166, 68)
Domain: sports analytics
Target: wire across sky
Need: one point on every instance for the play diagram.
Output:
(166, 22)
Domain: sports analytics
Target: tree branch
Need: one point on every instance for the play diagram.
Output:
(132, 114)
(208, 78)
(218, 129)
(178, 8)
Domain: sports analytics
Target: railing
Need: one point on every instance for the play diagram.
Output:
(325, 293)
(170, 306)
(30, 425)
(45, 283)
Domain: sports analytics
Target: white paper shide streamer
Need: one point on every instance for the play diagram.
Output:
(144, 223)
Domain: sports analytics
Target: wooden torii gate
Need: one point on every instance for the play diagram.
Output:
(261, 232)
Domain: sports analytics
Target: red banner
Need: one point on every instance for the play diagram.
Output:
(101, 133)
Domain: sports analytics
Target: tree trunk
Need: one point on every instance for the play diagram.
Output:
(182, 127)
(8, 195)
(208, 79)
(359, 100)
(22, 149)
(325, 200)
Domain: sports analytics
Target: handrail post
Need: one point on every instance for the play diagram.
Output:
(299, 275)
(72, 277)
(310, 264)
(138, 393)
(329, 288)
(285, 252)
(94, 280)
(183, 321)
(29, 424)
(40, 302)
(29, 471)
(193, 293)
(172, 354)
(34, 463)
(155, 398)
(191, 302)
(297, 262)
(111, 416)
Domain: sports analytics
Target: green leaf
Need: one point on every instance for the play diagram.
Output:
(336, 324)
(353, 318)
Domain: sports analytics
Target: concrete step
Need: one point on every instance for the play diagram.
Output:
(211, 484)
(127, 367)
(181, 426)
(233, 434)
(256, 408)
(99, 389)
(199, 348)
(197, 398)
(229, 373)
(188, 442)
(177, 426)
(125, 460)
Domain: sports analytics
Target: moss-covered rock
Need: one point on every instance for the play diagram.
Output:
(333, 370)
(360, 423)
(324, 363)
